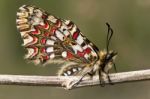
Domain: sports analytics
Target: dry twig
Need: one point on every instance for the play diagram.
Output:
(56, 81)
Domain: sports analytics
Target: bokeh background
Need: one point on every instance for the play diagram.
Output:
(130, 20)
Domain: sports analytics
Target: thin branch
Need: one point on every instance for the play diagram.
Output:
(59, 81)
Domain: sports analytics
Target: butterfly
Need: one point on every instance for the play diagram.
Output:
(49, 39)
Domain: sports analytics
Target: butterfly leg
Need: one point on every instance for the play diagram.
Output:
(102, 75)
(108, 77)
(115, 67)
(101, 81)
(110, 82)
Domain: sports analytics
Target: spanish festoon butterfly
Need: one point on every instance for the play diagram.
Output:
(49, 39)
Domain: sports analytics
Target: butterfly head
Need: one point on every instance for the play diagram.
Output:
(107, 60)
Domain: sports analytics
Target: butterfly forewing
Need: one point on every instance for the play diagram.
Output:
(50, 39)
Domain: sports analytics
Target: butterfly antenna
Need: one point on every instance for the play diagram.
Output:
(109, 36)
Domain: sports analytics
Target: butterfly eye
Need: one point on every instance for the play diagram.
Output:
(108, 56)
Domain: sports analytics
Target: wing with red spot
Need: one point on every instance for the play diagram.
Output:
(50, 39)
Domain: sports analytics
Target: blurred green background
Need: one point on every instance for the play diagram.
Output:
(130, 20)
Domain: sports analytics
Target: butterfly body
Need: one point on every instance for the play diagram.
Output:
(49, 39)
